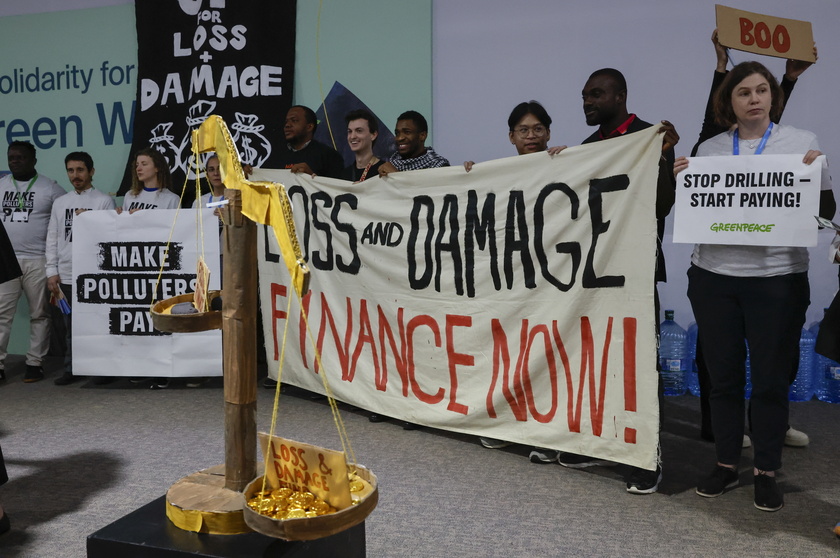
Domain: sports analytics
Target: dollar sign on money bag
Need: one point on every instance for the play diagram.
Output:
(161, 141)
(198, 113)
(253, 147)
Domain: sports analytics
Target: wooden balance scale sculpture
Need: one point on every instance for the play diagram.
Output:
(212, 500)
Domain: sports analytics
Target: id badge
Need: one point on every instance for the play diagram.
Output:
(20, 217)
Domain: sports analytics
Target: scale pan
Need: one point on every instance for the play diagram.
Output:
(164, 320)
(309, 528)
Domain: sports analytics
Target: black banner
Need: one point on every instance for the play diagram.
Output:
(202, 57)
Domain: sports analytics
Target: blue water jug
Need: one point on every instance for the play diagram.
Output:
(826, 378)
(673, 355)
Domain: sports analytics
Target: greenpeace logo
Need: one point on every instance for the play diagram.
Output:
(742, 227)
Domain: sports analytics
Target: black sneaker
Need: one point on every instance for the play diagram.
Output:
(65, 379)
(716, 484)
(33, 374)
(642, 481)
(575, 461)
(269, 383)
(768, 495)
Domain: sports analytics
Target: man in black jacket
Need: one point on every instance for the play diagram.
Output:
(605, 106)
(304, 154)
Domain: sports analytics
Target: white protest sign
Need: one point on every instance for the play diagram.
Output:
(116, 260)
(514, 301)
(765, 200)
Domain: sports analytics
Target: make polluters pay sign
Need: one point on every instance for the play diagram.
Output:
(768, 200)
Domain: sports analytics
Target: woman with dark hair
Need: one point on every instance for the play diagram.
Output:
(757, 293)
(710, 128)
(150, 183)
(214, 179)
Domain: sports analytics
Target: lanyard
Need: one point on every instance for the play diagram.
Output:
(221, 198)
(17, 188)
(762, 143)
(367, 168)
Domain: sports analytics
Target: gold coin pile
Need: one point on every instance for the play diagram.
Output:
(284, 503)
(359, 488)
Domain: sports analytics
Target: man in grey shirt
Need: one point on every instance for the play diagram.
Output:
(27, 200)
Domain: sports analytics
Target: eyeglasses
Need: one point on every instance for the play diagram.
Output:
(523, 131)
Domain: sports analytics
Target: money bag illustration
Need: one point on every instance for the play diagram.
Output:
(161, 140)
(198, 113)
(253, 147)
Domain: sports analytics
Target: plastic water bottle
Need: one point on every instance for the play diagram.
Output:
(826, 379)
(829, 387)
(818, 381)
(691, 380)
(816, 370)
(673, 355)
(802, 388)
(748, 386)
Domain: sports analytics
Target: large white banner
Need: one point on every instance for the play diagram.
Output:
(514, 301)
(116, 261)
(757, 201)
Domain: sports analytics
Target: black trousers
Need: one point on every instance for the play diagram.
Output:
(67, 290)
(769, 313)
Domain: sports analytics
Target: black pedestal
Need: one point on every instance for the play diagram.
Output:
(148, 533)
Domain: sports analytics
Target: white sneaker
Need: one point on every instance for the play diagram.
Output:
(493, 443)
(747, 442)
(795, 438)
(197, 381)
(543, 455)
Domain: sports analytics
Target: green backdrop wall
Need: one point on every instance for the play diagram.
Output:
(68, 79)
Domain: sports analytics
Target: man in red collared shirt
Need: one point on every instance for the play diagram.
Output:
(605, 106)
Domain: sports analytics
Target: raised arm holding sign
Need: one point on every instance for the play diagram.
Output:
(763, 34)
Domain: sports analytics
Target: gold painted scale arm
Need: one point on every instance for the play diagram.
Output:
(262, 202)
